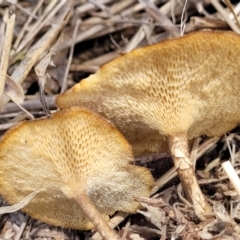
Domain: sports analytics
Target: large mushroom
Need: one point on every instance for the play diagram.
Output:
(168, 93)
(79, 164)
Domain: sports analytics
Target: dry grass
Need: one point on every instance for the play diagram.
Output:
(52, 44)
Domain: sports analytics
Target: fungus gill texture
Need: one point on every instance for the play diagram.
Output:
(188, 84)
(72, 152)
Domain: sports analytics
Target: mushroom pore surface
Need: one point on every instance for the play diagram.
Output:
(72, 152)
(188, 84)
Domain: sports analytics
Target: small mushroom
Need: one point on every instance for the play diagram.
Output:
(79, 164)
(168, 93)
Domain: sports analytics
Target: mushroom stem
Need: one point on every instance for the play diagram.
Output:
(95, 217)
(179, 149)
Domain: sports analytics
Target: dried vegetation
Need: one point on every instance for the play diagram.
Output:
(52, 44)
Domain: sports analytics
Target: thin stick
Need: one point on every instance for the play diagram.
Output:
(232, 175)
(64, 84)
(52, 9)
(229, 5)
(206, 146)
(159, 16)
(230, 150)
(21, 204)
(95, 217)
(116, 220)
(21, 229)
(194, 152)
(144, 31)
(6, 126)
(36, 51)
(22, 108)
(224, 14)
(183, 25)
(165, 178)
(126, 229)
(26, 24)
(6, 52)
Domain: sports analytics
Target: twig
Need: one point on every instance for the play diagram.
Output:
(64, 83)
(126, 229)
(87, 7)
(229, 149)
(21, 229)
(22, 108)
(84, 35)
(183, 25)
(228, 3)
(21, 72)
(144, 31)
(94, 64)
(225, 14)
(165, 178)
(160, 17)
(32, 14)
(97, 29)
(194, 151)
(30, 105)
(25, 26)
(51, 10)
(19, 205)
(40, 71)
(117, 219)
(6, 126)
(232, 175)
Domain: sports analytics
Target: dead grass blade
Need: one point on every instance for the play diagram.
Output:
(18, 206)
(39, 48)
(6, 52)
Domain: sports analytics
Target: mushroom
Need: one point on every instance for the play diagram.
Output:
(79, 164)
(168, 93)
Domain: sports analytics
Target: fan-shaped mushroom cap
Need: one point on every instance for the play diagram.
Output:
(73, 151)
(189, 84)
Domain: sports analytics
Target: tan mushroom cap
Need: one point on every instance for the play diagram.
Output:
(189, 84)
(61, 156)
